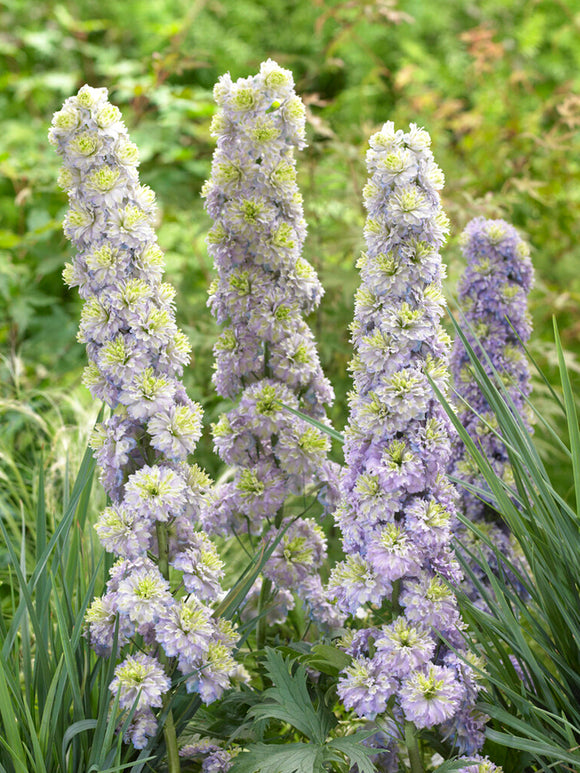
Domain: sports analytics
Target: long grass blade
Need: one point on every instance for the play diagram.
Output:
(571, 415)
(10, 724)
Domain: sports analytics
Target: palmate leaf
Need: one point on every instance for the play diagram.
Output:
(307, 757)
(352, 747)
(280, 758)
(289, 701)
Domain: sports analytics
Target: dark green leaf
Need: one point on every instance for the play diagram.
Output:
(289, 701)
(286, 758)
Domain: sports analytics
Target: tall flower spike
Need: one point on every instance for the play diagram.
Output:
(493, 294)
(397, 506)
(266, 355)
(136, 359)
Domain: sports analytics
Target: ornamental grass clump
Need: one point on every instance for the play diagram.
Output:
(162, 588)
(410, 672)
(266, 357)
(493, 294)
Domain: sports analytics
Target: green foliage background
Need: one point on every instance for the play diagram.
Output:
(495, 82)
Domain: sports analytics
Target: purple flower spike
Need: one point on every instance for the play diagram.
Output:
(493, 293)
(266, 355)
(136, 360)
(397, 507)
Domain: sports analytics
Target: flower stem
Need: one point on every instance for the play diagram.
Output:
(163, 545)
(412, 745)
(262, 624)
(173, 761)
(395, 597)
(266, 589)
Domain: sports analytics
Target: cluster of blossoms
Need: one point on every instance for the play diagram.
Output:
(397, 508)
(266, 357)
(212, 755)
(137, 355)
(493, 295)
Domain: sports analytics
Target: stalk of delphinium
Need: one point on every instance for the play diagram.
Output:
(493, 294)
(397, 507)
(161, 589)
(266, 357)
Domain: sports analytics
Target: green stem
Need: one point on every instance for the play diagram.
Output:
(266, 590)
(173, 761)
(413, 748)
(262, 604)
(163, 545)
(395, 597)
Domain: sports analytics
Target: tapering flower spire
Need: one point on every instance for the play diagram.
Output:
(397, 507)
(266, 356)
(493, 293)
(136, 359)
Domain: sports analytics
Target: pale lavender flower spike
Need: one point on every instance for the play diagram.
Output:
(397, 508)
(266, 356)
(493, 293)
(136, 360)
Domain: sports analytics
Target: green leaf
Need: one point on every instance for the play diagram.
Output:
(551, 751)
(539, 713)
(353, 748)
(333, 433)
(9, 240)
(55, 545)
(284, 758)
(82, 726)
(571, 416)
(289, 701)
(10, 724)
(237, 595)
(327, 659)
(450, 765)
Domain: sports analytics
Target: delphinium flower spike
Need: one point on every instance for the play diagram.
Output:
(136, 360)
(266, 357)
(397, 506)
(493, 293)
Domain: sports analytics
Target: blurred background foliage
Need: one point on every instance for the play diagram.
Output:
(495, 82)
